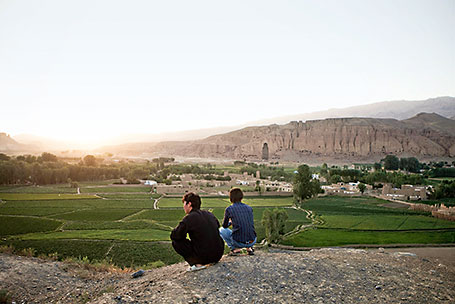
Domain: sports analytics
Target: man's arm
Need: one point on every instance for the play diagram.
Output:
(226, 220)
(179, 232)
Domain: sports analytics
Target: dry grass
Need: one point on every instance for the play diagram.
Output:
(6, 249)
(5, 297)
(86, 268)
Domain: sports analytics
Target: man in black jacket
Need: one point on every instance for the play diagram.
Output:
(205, 245)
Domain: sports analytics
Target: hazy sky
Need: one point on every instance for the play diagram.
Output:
(96, 69)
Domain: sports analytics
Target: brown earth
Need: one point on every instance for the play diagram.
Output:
(444, 255)
(279, 276)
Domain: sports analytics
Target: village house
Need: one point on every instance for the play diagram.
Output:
(318, 177)
(443, 212)
(406, 192)
(341, 189)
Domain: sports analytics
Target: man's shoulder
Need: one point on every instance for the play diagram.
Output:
(240, 206)
(206, 213)
(191, 215)
(198, 213)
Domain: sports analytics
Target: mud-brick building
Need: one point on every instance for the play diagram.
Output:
(406, 192)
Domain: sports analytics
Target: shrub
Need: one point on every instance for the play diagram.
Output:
(274, 222)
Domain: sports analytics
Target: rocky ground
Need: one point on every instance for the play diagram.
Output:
(316, 276)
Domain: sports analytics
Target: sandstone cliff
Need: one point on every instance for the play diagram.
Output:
(426, 135)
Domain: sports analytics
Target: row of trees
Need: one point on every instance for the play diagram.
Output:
(48, 169)
(350, 175)
(275, 173)
(17, 172)
(410, 164)
(445, 189)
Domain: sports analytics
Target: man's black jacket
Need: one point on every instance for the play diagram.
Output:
(202, 228)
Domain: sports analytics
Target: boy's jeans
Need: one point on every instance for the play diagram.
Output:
(226, 234)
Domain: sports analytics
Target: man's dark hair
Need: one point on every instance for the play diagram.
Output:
(235, 195)
(194, 199)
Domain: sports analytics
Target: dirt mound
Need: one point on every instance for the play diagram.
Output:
(316, 276)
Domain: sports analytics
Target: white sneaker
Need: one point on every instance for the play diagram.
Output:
(196, 268)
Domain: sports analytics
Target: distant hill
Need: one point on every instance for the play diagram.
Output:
(398, 109)
(432, 121)
(9, 145)
(42, 143)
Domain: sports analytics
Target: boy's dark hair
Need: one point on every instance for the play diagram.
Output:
(235, 195)
(194, 199)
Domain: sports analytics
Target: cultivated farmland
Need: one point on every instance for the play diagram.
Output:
(345, 221)
(126, 225)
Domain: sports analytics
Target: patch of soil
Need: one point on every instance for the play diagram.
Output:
(41, 281)
(395, 205)
(440, 255)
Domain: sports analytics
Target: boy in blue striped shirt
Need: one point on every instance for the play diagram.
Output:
(240, 216)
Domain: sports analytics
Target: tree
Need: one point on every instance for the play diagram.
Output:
(3, 156)
(324, 169)
(414, 165)
(304, 186)
(258, 188)
(410, 164)
(90, 160)
(391, 162)
(446, 189)
(335, 179)
(362, 187)
(48, 157)
(274, 222)
(377, 166)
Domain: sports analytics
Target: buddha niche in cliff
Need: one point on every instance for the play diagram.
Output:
(265, 151)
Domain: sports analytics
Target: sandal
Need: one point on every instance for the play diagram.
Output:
(250, 252)
(234, 253)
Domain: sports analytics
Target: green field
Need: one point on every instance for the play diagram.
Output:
(42, 196)
(365, 221)
(339, 237)
(14, 225)
(122, 225)
(115, 189)
(129, 196)
(62, 188)
(386, 222)
(111, 234)
(96, 215)
(175, 202)
(216, 202)
(121, 253)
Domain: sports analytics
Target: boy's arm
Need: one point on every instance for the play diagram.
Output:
(226, 222)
